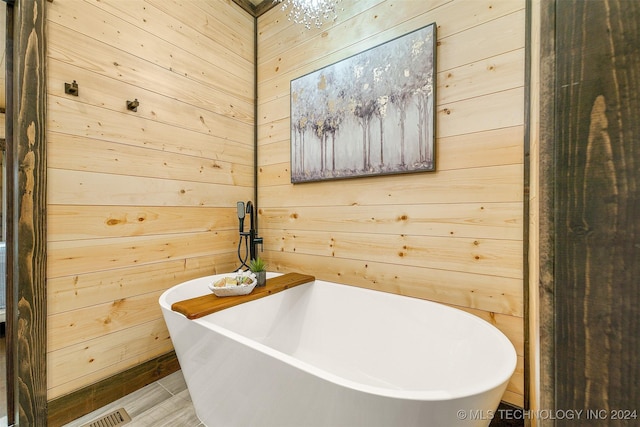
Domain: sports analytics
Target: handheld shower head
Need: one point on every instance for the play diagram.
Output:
(241, 212)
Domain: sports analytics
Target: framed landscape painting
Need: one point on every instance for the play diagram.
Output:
(369, 114)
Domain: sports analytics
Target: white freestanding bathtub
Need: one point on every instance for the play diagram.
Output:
(330, 355)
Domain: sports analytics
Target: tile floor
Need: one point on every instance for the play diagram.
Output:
(167, 403)
(163, 403)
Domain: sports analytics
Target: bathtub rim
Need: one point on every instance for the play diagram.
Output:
(419, 395)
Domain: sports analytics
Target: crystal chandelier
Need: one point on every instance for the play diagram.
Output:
(310, 12)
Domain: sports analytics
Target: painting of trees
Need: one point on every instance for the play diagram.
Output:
(369, 114)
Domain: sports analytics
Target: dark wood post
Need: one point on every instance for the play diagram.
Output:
(29, 172)
(10, 290)
(597, 210)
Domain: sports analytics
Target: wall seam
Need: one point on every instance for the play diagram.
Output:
(527, 195)
(255, 122)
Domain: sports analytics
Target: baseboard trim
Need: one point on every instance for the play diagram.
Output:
(78, 403)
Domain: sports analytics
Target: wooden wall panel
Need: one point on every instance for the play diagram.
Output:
(168, 110)
(69, 293)
(128, 128)
(481, 256)
(230, 24)
(84, 363)
(84, 256)
(83, 154)
(495, 184)
(75, 222)
(469, 219)
(454, 236)
(538, 249)
(139, 201)
(92, 21)
(399, 18)
(498, 295)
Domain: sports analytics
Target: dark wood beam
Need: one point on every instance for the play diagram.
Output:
(264, 7)
(30, 231)
(255, 10)
(546, 142)
(10, 289)
(247, 6)
(597, 210)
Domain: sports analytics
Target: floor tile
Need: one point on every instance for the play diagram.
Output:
(174, 383)
(136, 404)
(177, 410)
(167, 403)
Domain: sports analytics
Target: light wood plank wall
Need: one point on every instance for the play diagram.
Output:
(454, 236)
(139, 201)
(535, 201)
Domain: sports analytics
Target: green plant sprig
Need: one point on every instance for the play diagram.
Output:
(257, 264)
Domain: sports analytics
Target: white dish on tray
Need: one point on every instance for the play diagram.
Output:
(232, 290)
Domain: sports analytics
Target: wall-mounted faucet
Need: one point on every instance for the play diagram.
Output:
(250, 238)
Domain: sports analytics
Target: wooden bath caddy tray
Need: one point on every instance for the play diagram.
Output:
(195, 308)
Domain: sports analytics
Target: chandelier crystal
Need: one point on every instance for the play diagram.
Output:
(310, 12)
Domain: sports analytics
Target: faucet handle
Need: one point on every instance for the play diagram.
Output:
(259, 241)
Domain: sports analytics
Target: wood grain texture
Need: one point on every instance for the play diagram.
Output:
(454, 236)
(31, 212)
(94, 21)
(9, 216)
(195, 308)
(80, 364)
(75, 292)
(481, 130)
(228, 25)
(120, 65)
(493, 293)
(107, 94)
(85, 256)
(73, 405)
(139, 201)
(75, 222)
(469, 220)
(71, 117)
(363, 31)
(473, 255)
(597, 213)
(536, 217)
(546, 195)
